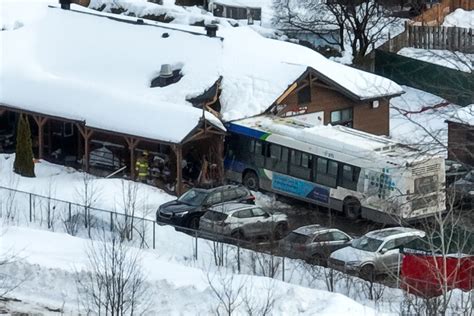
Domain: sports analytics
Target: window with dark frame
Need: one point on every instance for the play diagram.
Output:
(304, 95)
(326, 172)
(342, 117)
(299, 165)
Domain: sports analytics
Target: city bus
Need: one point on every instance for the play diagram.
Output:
(359, 174)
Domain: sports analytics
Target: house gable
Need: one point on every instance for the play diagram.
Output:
(311, 93)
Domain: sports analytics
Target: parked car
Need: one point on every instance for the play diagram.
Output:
(461, 192)
(376, 252)
(313, 243)
(241, 221)
(189, 207)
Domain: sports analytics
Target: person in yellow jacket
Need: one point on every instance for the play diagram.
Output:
(141, 167)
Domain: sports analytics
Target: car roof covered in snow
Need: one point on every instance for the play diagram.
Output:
(393, 232)
(88, 66)
(231, 207)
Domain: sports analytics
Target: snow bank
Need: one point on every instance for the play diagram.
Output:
(67, 184)
(51, 260)
(454, 60)
(460, 18)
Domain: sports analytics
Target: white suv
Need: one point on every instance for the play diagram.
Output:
(374, 253)
(242, 221)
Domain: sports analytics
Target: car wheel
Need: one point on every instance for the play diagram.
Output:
(279, 231)
(352, 208)
(193, 223)
(367, 272)
(237, 235)
(250, 180)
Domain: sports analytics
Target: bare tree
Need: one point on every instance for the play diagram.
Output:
(115, 283)
(227, 290)
(260, 304)
(87, 195)
(361, 23)
(129, 206)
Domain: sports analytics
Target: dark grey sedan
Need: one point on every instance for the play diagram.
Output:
(314, 243)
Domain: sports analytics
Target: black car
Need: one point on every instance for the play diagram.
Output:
(187, 210)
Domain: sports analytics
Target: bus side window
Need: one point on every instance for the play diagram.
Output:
(349, 177)
(326, 172)
(299, 165)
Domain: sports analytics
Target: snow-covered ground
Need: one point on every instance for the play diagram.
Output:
(53, 261)
(460, 18)
(50, 262)
(454, 60)
(417, 118)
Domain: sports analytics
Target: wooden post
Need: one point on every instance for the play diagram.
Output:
(40, 121)
(86, 134)
(179, 170)
(132, 145)
(220, 155)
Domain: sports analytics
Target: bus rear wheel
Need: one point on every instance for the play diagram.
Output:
(250, 180)
(352, 208)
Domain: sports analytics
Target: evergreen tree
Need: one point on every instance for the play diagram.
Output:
(24, 164)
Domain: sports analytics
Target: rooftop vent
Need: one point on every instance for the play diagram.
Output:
(211, 30)
(167, 76)
(165, 35)
(65, 4)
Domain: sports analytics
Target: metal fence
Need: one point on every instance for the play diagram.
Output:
(24, 208)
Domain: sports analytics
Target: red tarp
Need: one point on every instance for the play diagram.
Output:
(423, 274)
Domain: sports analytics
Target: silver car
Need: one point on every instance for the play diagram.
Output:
(242, 221)
(313, 243)
(376, 252)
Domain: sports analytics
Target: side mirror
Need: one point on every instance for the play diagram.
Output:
(266, 215)
(384, 250)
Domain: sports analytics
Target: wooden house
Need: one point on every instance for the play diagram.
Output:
(461, 136)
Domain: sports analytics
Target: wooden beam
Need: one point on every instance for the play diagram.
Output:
(286, 93)
(86, 134)
(40, 121)
(132, 145)
(179, 170)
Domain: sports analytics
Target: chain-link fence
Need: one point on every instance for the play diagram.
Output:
(29, 209)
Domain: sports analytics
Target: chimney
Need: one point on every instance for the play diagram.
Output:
(165, 71)
(65, 4)
(211, 30)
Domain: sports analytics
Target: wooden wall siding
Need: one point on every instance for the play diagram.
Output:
(375, 121)
(433, 37)
(436, 14)
(460, 143)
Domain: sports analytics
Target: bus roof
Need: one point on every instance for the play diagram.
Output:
(338, 138)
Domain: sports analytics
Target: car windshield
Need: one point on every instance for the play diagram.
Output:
(193, 197)
(366, 243)
(296, 238)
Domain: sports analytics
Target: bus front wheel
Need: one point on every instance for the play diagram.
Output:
(250, 180)
(352, 208)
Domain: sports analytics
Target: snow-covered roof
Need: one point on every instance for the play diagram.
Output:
(92, 68)
(464, 115)
(460, 18)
